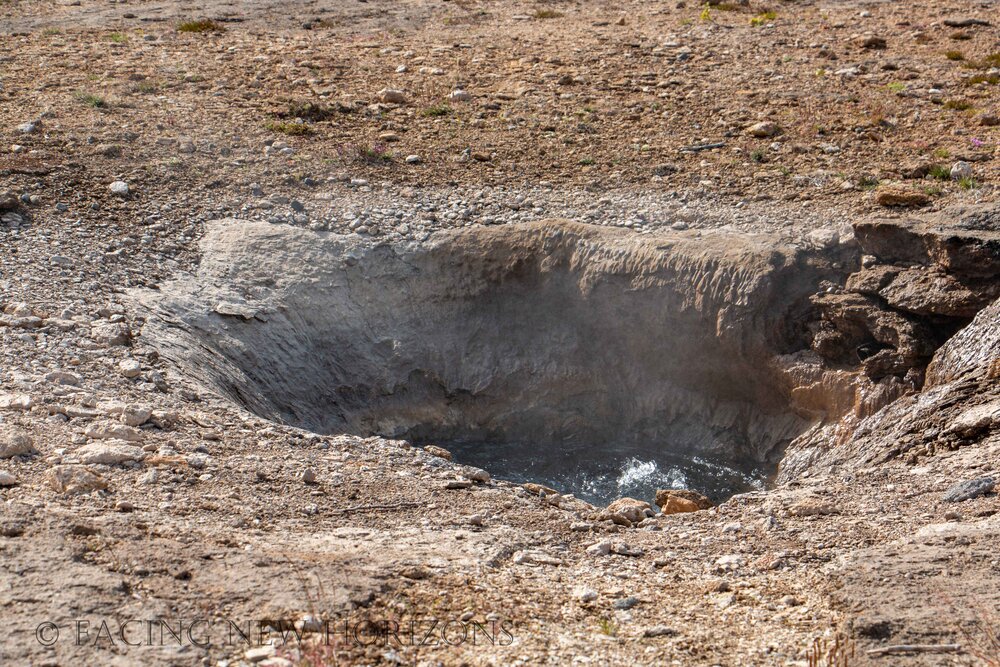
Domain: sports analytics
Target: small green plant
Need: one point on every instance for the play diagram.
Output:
(91, 100)
(608, 627)
(757, 156)
(118, 38)
(706, 13)
(587, 161)
(967, 183)
(763, 18)
(289, 128)
(203, 25)
(957, 105)
(939, 172)
(306, 111)
(954, 55)
(436, 111)
(547, 14)
(992, 79)
(49, 32)
(896, 86)
(942, 153)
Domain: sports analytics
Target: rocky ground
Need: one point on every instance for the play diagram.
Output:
(131, 493)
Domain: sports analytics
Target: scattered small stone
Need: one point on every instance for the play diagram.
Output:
(872, 42)
(108, 453)
(308, 476)
(15, 442)
(969, 489)
(7, 479)
(584, 594)
(475, 520)
(392, 96)
(626, 603)
(599, 549)
(130, 368)
(458, 484)
(27, 128)
(989, 120)
(413, 159)
(763, 129)
(659, 631)
(439, 452)
(119, 188)
(459, 96)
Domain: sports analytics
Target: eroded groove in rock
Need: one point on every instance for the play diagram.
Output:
(552, 334)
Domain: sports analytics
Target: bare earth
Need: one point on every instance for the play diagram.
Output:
(660, 118)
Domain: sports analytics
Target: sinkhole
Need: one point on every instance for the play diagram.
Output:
(595, 360)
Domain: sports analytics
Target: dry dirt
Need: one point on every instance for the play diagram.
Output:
(638, 115)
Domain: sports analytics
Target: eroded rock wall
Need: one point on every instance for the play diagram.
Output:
(546, 333)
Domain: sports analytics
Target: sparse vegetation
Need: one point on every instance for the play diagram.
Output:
(706, 13)
(376, 154)
(92, 100)
(118, 37)
(954, 55)
(436, 111)
(957, 105)
(896, 86)
(547, 14)
(967, 183)
(608, 627)
(290, 128)
(587, 161)
(992, 79)
(826, 653)
(763, 18)
(306, 111)
(939, 172)
(203, 25)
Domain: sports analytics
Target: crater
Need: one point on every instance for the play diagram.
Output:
(596, 360)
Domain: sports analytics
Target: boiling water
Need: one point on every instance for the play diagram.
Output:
(600, 475)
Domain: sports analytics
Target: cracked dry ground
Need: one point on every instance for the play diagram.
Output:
(130, 492)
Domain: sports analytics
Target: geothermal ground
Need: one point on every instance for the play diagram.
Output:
(333, 333)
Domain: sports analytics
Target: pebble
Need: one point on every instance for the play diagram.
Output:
(130, 368)
(7, 479)
(27, 128)
(15, 442)
(626, 603)
(459, 96)
(584, 594)
(961, 170)
(308, 476)
(392, 96)
(119, 188)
